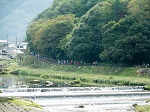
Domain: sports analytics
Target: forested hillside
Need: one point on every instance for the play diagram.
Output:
(108, 31)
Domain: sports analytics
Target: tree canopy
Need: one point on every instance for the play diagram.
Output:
(93, 30)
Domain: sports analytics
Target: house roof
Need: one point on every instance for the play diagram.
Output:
(3, 40)
(22, 43)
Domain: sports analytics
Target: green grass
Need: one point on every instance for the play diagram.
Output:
(144, 108)
(5, 99)
(21, 102)
(25, 102)
(88, 75)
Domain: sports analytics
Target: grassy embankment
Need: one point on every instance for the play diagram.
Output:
(20, 102)
(143, 108)
(83, 75)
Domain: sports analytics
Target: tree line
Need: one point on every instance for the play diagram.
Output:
(107, 31)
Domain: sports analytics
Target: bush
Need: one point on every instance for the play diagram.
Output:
(146, 88)
(15, 72)
(134, 105)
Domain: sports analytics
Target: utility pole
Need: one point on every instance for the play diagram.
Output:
(16, 41)
(7, 41)
(16, 48)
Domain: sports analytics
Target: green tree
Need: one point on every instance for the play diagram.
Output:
(126, 41)
(140, 8)
(46, 40)
(85, 41)
(117, 10)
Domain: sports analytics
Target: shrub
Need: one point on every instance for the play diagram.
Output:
(146, 88)
(15, 72)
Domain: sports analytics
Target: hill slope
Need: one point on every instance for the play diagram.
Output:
(16, 14)
(105, 31)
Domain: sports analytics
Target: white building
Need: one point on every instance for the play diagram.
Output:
(3, 54)
(3, 42)
(11, 50)
(22, 45)
(3, 47)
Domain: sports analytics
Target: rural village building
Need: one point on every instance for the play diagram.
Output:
(10, 51)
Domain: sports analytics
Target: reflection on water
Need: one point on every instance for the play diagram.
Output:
(5, 81)
(10, 81)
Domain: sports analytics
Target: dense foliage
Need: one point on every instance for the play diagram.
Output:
(112, 31)
(47, 40)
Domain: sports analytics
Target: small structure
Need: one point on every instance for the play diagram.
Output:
(22, 46)
(3, 49)
(3, 42)
(9, 51)
(3, 54)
